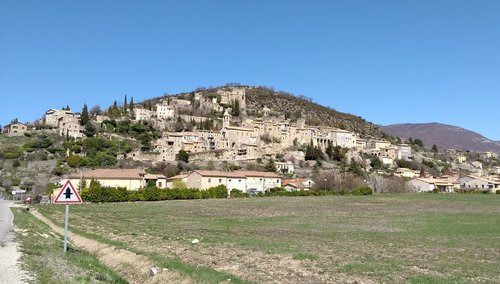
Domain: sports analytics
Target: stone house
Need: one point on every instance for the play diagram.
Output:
(53, 116)
(70, 126)
(144, 114)
(15, 129)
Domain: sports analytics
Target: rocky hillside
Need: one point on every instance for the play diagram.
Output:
(444, 136)
(293, 107)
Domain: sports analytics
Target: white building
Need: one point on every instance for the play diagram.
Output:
(474, 182)
(404, 152)
(285, 167)
(164, 111)
(245, 181)
(404, 172)
(429, 184)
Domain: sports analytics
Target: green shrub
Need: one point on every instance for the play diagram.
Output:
(11, 153)
(153, 194)
(219, 191)
(362, 190)
(16, 163)
(135, 195)
(15, 181)
(75, 161)
(237, 194)
(105, 194)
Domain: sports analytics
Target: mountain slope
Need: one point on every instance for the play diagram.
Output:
(444, 136)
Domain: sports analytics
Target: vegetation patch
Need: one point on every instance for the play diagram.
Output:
(43, 256)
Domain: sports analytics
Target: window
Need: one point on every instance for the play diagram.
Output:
(277, 180)
(220, 180)
(209, 180)
(159, 184)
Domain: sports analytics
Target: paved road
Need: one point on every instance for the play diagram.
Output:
(9, 252)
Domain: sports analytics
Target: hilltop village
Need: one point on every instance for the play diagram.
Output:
(220, 133)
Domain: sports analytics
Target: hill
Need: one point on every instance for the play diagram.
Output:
(444, 136)
(282, 103)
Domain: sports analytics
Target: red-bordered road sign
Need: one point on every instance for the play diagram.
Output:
(68, 195)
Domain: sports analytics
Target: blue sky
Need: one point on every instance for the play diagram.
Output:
(387, 61)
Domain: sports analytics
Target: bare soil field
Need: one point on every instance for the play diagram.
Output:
(425, 238)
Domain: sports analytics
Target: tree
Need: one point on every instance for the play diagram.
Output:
(236, 108)
(84, 116)
(270, 166)
(89, 130)
(178, 184)
(329, 149)
(418, 142)
(96, 110)
(125, 104)
(131, 104)
(183, 156)
(375, 163)
(435, 148)
(355, 168)
(338, 154)
(313, 153)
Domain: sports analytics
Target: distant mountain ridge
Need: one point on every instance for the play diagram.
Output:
(444, 136)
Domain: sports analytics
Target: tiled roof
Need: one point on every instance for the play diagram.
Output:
(237, 174)
(296, 182)
(154, 176)
(219, 174)
(258, 174)
(181, 176)
(112, 174)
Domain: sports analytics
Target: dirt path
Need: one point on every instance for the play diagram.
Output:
(9, 251)
(132, 267)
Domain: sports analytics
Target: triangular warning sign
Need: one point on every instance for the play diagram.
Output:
(67, 195)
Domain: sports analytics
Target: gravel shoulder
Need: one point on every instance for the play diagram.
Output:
(9, 252)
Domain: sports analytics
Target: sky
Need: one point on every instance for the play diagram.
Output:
(400, 61)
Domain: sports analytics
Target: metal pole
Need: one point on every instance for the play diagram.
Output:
(66, 229)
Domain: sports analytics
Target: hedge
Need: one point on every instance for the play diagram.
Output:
(97, 193)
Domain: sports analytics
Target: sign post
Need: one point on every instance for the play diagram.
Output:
(67, 195)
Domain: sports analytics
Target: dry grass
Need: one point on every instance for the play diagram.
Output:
(394, 238)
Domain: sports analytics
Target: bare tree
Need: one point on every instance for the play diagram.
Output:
(96, 110)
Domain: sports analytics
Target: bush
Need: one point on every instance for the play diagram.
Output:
(11, 153)
(75, 161)
(214, 192)
(15, 181)
(362, 190)
(105, 194)
(237, 194)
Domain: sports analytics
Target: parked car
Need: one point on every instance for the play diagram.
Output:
(27, 200)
